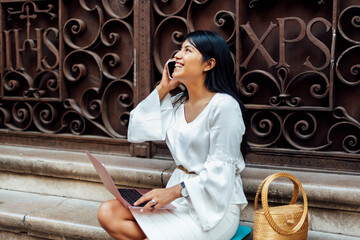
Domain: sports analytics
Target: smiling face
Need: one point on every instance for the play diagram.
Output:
(190, 65)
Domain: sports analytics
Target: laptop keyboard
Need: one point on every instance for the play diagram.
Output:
(131, 196)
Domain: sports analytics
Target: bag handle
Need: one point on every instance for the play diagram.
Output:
(265, 205)
(293, 199)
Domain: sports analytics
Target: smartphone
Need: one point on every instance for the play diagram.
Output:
(171, 67)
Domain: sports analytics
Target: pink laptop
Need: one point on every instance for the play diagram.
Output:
(126, 196)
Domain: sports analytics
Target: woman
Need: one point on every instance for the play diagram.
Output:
(203, 128)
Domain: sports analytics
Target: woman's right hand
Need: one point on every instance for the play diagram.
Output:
(160, 197)
(166, 84)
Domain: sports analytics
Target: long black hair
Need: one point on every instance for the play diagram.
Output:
(221, 78)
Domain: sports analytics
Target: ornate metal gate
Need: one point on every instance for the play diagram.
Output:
(72, 70)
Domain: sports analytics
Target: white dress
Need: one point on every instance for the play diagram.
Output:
(209, 146)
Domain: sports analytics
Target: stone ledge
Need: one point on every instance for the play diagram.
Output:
(321, 219)
(329, 194)
(35, 217)
(48, 217)
(333, 199)
(328, 190)
(68, 188)
(125, 171)
(312, 235)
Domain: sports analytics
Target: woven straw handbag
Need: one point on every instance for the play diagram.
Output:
(287, 222)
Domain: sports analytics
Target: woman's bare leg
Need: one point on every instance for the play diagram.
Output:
(118, 221)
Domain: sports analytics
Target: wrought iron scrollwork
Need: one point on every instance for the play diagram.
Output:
(349, 73)
(348, 65)
(301, 130)
(168, 8)
(254, 3)
(168, 39)
(349, 19)
(47, 117)
(117, 36)
(117, 99)
(293, 105)
(347, 130)
(68, 67)
(74, 122)
(77, 33)
(222, 13)
(266, 127)
(318, 87)
(70, 85)
(177, 18)
(96, 77)
(118, 9)
(20, 116)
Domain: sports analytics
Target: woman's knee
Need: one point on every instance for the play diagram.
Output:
(114, 218)
(106, 211)
(113, 209)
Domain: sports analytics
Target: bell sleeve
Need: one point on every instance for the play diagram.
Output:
(211, 190)
(150, 119)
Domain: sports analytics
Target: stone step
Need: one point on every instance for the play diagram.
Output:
(33, 216)
(312, 235)
(333, 198)
(29, 216)
(71, 174)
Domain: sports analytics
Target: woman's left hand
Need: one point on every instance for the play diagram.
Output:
(161, 197)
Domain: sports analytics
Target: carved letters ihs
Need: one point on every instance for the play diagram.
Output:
(31, 43)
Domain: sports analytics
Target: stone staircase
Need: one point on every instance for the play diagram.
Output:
(50, 194)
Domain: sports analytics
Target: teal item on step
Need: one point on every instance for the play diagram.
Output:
(241, 232)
